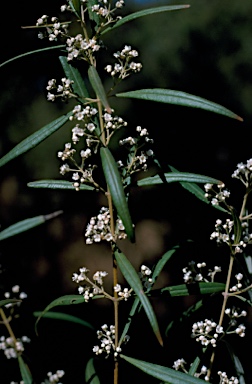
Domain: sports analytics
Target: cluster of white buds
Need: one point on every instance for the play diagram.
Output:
(79, 47)
(123, 293)
(216, 197)
(14, 294)
(224, 234)
(98, 228)
(207, 332)
(112, 123)
(125, 65)
(179, 364)
(91, 288)
(194, 273)
(13, 348)
(103, 10)
(234, 314)
(53, 378)
(238, 285)
(64, 90)
(107, 344)
(225, 380)
(145, 275)
(243, 172)
(51, 28)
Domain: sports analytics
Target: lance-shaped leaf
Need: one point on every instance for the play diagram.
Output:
(76, 7)
(145, 12)
(25, 225)
(237, 227)
(197, 191)
(35, 139)
(58, 184)
(172, 177)
(198, 288)
(134, 281)
(114, 181)
(160, 372)
(72, 73)
(31, 53)
(97, 85)
(9, 301)
(63, 300)
(24, 370)
(91, 376)
(63, 316)
(170, 96)
(161, 263)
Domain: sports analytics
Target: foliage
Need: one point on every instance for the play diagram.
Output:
(106, 156)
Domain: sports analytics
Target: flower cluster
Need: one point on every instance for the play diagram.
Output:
(51, 28)
(104, 11)
(238, 285)
(225, 380)
(180, 365)
(125, 64)
(53, 378)
(145, 276)
(107, 341)
(13, 347)
(233, 315)
(224, 234)
(14, 294)
(79, 47)
(91, 288)
(64, 90)
(98, 228)
(207, 332)
(218, 196)
(123, 293)
(243, 173)
(194, 273)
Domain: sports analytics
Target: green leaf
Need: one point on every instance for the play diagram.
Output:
(134, 281)
(134, 308)
(63, 300)
(97, 85)
(194, 366)
(162, 373)
(199, 288)
(237, 226)
(114, 181)
(25, 225)
(63, 316)
(9, 301)
(31, 53)
(24, 370)
(197, 191)
(161, 263)
(58, 184)
(179, 98)
(90, 373)
(76, 7)
(145, 12)
(35, 139)
(73, 74)
(93, 15)
(172, 177)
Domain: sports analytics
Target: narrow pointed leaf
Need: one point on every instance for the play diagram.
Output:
(145, 12)
(79, 86)
(91, 376)
(160, 372)
(134, 308)
(58, 184)
(187, 289)
(194, 366)
(63, 300)
(134, 281)
(197, 191)
(172, 177)
(31, 53)
(63, 316)
(179, 98)
(237, 227)
(76, 7)
(114, 181)
(97, 85)
(161, 263)
(25, 225)
(9, 301)
(35, 139)
(24, 370)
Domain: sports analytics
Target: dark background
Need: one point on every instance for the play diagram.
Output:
(204, 50)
